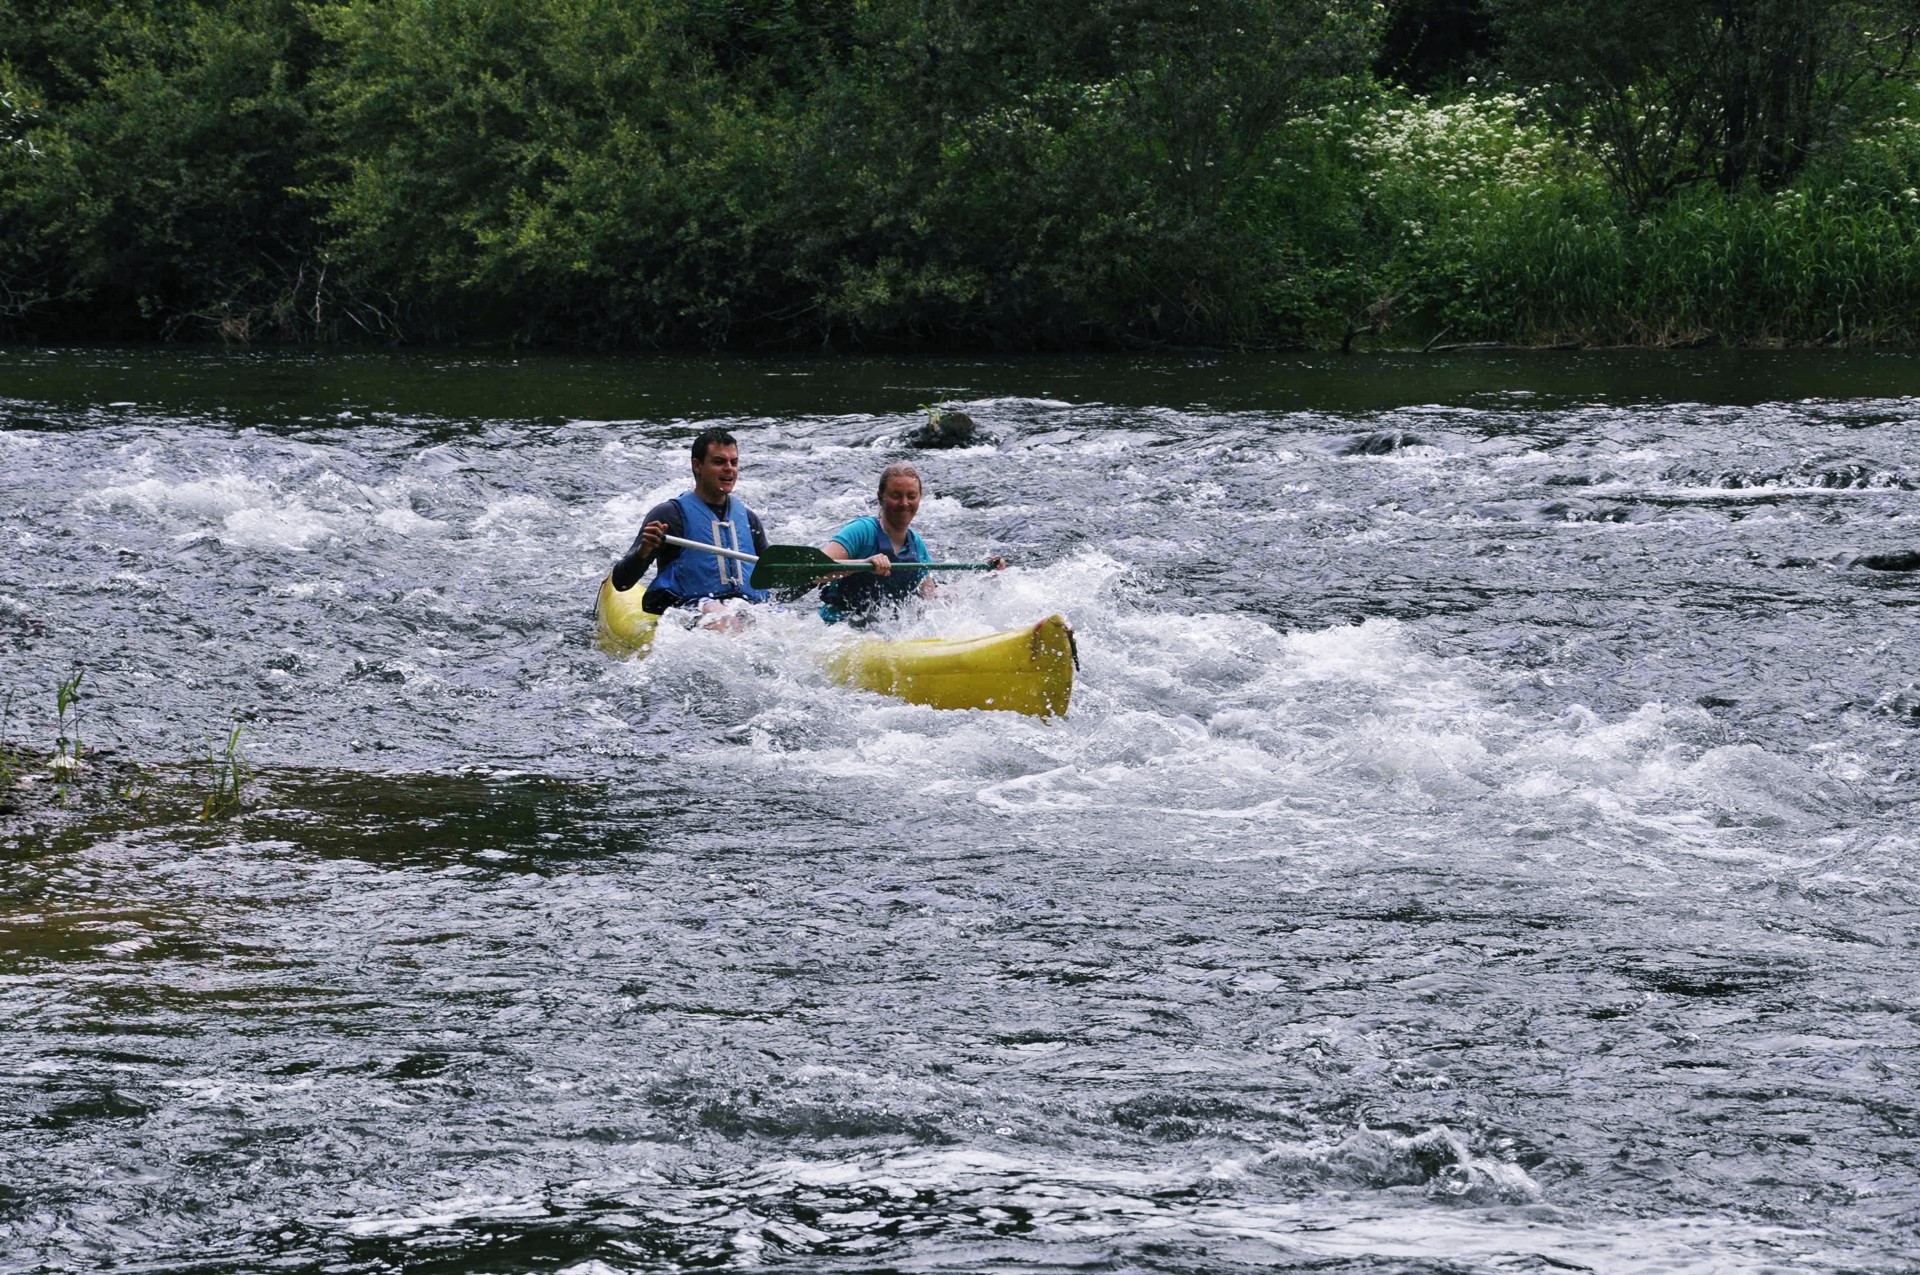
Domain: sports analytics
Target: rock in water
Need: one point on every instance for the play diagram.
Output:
(945, 428)
(1383, 443)
(1907, 561)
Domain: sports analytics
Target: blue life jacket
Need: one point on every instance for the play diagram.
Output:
(855, 596)
(695, 575)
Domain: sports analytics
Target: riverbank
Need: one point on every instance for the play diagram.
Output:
(660, 177)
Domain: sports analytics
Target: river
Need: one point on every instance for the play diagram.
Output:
(1483, 838)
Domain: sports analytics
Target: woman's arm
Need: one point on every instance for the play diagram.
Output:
(882, 565)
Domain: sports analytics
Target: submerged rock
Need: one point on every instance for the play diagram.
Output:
(1902, 705)
(1437, 1161)
(1907, 560)
(945, 427)
(1579, 510)
(1382, 443)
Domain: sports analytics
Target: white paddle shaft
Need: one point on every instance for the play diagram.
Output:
(684, 543)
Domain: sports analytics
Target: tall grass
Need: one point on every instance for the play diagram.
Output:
(1486, 226)
(10, 758)
(229, 773)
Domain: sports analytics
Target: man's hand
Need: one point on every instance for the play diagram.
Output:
(650, 537)
(997, 562)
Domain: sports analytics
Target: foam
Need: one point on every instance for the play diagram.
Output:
(236, 509)
(289, 527)
(1454, 1208)
(216, 497)
(1223, 717)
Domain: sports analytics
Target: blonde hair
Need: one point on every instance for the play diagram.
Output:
(900, 469)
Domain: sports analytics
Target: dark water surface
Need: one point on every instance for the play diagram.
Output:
(1484, 838)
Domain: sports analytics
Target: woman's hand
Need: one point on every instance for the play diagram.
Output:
(882, 564)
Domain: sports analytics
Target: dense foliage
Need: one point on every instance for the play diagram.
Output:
(1736, 90)
(1050, 173)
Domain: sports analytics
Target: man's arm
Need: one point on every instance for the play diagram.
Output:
(664, 518)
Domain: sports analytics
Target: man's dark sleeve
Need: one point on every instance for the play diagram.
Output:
(627, 572)
(759, 533)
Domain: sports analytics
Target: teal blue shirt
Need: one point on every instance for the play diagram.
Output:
(855, 597)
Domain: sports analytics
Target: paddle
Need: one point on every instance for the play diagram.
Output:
(735, 554)
(791, 566)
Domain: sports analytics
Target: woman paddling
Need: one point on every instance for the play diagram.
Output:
(886, 541)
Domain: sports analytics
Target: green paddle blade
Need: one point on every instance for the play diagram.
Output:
(796, 566)
(789, 566)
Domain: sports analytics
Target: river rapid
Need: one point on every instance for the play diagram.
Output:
(1484, 836)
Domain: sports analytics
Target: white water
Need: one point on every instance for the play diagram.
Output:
(1486, 850)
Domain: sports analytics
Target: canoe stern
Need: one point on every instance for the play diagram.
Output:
(1027, 670)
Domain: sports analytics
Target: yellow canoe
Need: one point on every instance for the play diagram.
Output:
(620, 627)
(1025, 670)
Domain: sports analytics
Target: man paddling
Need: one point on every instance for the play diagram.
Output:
(709, 514)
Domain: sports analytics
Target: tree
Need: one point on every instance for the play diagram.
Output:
(785, 171)
(1669, 93)
(168, 133)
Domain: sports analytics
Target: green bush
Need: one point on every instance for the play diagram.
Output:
(1050, 174)
(154, 190)
(984, 172)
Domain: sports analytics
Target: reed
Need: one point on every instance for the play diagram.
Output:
(10, 757)
(230, 774)
(65, 762)
(67, 699)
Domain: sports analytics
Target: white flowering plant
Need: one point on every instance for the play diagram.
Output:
(14, 122)
(1881, 162)
(1452, 189)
